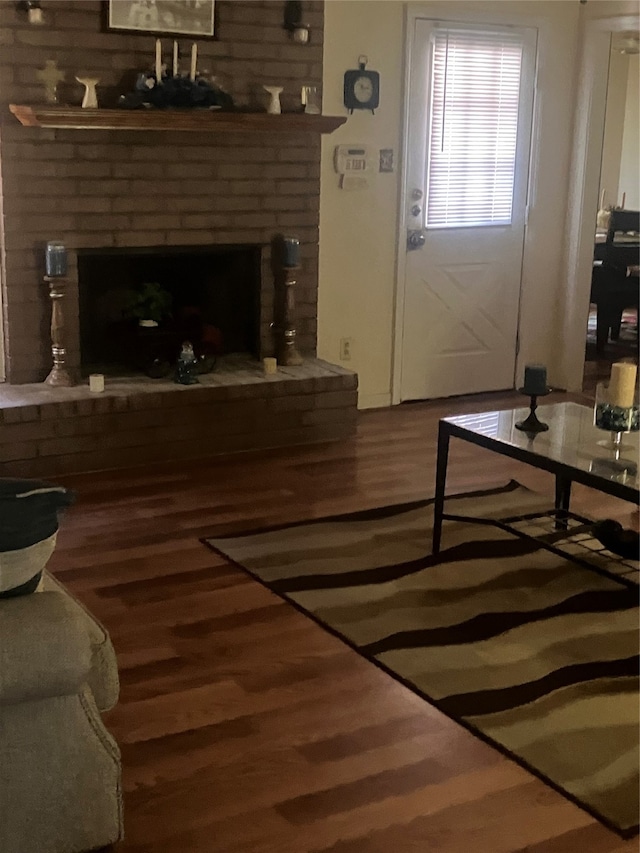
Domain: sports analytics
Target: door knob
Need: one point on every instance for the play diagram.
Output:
(417, 194)
(416, 210)
(415, 240)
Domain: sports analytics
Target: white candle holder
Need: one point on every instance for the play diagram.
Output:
(274, 107)
(90, 99)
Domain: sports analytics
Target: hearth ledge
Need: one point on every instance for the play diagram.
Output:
(47, 431)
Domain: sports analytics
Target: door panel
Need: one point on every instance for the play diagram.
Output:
(461, 289)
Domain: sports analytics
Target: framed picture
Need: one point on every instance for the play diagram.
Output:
(162, 17)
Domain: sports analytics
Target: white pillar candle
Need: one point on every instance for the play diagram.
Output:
(622, 385)
(175, 59)
(158, 60)
(194, 60)
(270, 366)
(96, 383)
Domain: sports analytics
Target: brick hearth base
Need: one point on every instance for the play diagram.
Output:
(47, 431)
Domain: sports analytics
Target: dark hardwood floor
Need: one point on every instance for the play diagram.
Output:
(246, 728)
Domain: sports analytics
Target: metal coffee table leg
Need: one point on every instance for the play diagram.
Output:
(563, 499)
(441, 481)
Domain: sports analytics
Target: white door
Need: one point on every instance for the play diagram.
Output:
(470, 104)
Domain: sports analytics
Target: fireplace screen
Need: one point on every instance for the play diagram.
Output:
(137, 306)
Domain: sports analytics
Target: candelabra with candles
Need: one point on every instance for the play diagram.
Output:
(56, 278)
(288, 354)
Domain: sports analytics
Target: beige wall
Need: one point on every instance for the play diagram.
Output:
(629, 167)
(614, 128)
(358, 231)
(620, 167)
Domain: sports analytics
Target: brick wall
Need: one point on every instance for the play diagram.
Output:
(128, 188)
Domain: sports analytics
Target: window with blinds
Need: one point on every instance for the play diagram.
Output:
(475, 87)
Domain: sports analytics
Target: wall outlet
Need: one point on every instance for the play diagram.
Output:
(345, 349)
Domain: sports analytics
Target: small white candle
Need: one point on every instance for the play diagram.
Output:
(194, 60)
(96, 383)
(270, 366)
(175, 59)
(158, 60)
(622, 385)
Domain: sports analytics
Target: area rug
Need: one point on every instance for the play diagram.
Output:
(529, 650)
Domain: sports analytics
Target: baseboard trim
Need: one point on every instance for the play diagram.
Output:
(374, 401)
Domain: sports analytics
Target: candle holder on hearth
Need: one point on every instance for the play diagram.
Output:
(288, 354)
(59, 375)
(615, 419)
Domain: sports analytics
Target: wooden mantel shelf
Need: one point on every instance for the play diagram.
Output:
(75, 118)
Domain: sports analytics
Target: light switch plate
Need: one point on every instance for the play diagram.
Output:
(386, 159)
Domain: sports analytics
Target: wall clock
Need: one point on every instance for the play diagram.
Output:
(361, 87)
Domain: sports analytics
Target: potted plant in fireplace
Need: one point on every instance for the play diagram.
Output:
(149, 304)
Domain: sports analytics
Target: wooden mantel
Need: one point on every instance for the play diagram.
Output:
(76, 118)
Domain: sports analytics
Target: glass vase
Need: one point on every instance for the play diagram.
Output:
(614, 419)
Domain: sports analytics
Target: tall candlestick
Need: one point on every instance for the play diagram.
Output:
(622, 385)
(158, 60)
(175, 59)
(194, 60)
(59, 375)
(288, 353)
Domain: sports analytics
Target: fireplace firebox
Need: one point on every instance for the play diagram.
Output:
(212, 296)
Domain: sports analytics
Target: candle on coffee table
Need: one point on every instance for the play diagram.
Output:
(535, 379)
(622, 385)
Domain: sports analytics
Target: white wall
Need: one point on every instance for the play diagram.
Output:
(629, 166)
(358, 231)
(614, 128)
(358, 228)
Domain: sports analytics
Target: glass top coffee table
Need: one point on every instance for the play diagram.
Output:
(570, 450)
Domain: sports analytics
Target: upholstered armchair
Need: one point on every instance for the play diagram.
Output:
(59, 767)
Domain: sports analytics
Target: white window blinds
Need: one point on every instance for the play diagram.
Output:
(475, 86)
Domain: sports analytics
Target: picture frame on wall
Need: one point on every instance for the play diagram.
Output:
(195, 18)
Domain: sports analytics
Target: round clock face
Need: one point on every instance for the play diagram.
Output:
(363, 89)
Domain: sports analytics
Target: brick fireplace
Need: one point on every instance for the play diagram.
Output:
(111, 190)
(97, 189)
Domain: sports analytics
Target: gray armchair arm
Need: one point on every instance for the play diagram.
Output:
(45, 647)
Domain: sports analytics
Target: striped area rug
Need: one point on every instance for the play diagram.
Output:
(528, 649)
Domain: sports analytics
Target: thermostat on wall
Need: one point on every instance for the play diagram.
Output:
(350, 159)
